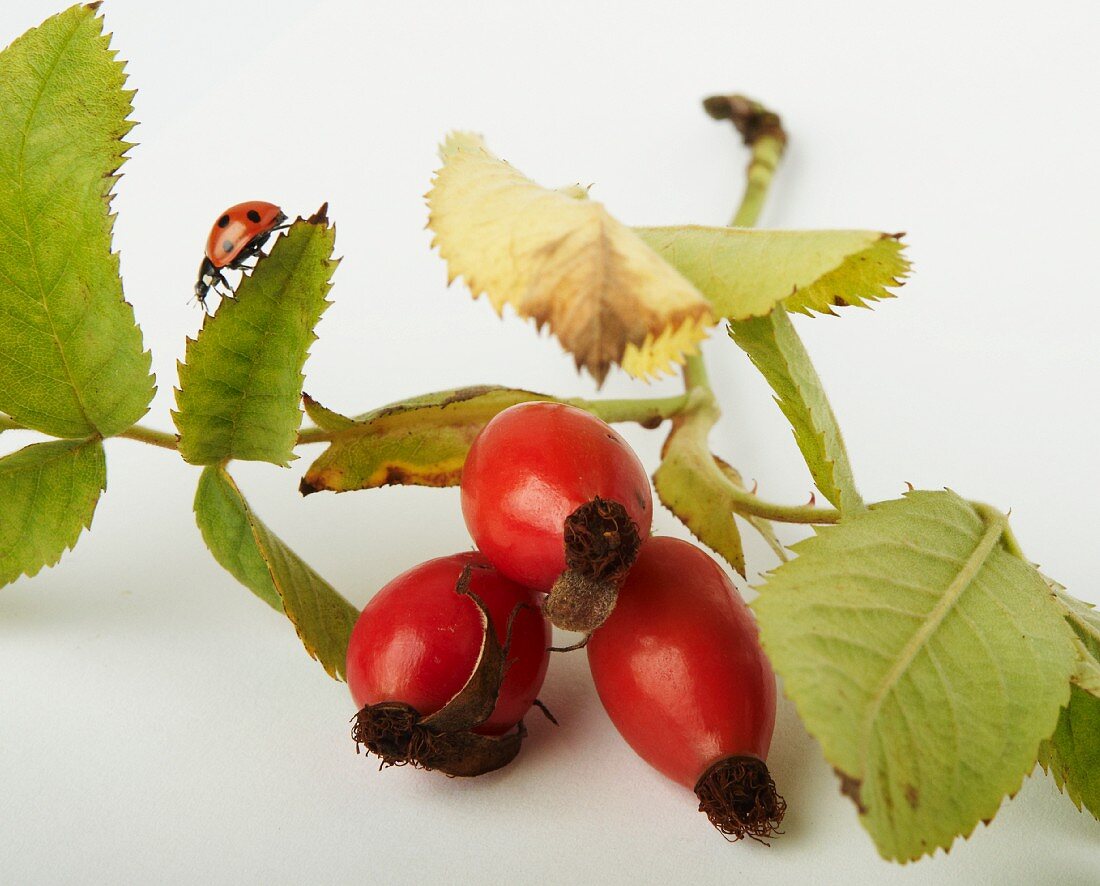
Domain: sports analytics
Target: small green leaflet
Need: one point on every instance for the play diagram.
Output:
(418, 442)
(49, 491)
(691, 484)
(1072, 754)
(777, 352)
(241, 543)
(241, 384)
(746, 273)
(71, 358)
(928, 660)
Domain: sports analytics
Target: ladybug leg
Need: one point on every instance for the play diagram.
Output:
(251, 250)
(217, 277)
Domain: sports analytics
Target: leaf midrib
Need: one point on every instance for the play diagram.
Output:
(265, 336)
(954, 591)
(26, 223)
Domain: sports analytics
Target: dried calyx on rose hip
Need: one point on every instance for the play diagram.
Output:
(559, 502)
(680, 671)
(444, 663)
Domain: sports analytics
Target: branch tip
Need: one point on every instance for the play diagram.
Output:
(751, 119)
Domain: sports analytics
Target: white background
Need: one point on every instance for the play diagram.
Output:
(157, 723)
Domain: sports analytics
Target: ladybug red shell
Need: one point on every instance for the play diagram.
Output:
(238, 234)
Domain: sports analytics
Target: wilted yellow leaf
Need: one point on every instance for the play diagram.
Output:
(562, 260)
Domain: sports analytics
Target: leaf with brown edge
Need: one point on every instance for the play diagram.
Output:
(691, 484)
(560, 259)
(745, 272)
(322, 618)
(418, 442)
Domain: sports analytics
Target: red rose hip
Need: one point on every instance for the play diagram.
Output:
(542, 474)
(427, 665)
(680, 671)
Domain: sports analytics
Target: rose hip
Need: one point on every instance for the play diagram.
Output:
(680, 671)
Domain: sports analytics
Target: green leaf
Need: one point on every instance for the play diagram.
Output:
(71, 358)
(776, 350)
(1086, 674)
(746, 273)
(49, 491)
(690, 483)
(927, 659)
(417, 442)
(223, 518)
(241, 385)
(322, 618)
(1072, 755)
(1083, 617)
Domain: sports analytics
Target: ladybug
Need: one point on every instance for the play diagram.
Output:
(238, 234)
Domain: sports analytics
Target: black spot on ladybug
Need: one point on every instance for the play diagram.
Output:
(228, 245)
(223, 222)
(253, 216)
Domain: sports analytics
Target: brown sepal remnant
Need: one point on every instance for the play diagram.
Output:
(399, 735)
(601, 541)
(750, 118)
(601, 544)
(739, 797)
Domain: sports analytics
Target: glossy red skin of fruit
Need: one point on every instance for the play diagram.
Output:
(678, 665)
(417, 641)
(529, 469)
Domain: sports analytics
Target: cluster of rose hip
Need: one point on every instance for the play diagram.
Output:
(447, 659)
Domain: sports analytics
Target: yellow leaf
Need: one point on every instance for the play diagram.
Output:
(562, 260)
